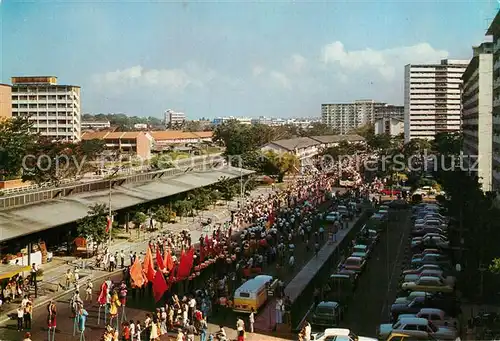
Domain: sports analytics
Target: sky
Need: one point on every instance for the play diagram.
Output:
(234, 58)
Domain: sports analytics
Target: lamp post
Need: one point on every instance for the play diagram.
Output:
(110, 213)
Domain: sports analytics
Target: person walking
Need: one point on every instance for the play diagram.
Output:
(251, 319)
(112, 262)
(203, 329)
(33, 271)
(20, 316)
(279, 311)
(122, 259)
(28, 311)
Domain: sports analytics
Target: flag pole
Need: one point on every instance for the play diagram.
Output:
(109, 212)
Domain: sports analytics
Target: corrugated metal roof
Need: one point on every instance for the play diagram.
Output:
(296, 143)
(338, 138)
(25, 220)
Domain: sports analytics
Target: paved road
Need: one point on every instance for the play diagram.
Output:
(378, 285)
(136, 310)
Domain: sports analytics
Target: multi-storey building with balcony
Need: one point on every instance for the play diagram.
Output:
(390, 111)
(54, 109)
(345, 117)
(432, 98)
(494, 30)
(173, 118)
(477, 101)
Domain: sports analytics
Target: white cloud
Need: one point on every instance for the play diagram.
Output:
(296, 64)
(257, 70)
(387, 62)
(171, 79)
(280, 79)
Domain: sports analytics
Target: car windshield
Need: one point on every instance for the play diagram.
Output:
(324, 310)
(352, 261)
(396, 325)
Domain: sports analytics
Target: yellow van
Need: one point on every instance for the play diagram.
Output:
(252, 294)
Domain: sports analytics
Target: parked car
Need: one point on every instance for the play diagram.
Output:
(442, 301)
(417, 327)
(448, 280)
(432, 258)
(339, 334)
(395, 336)
(436, 316)
(341, 288)
(327, 314)
(360, 248)
(411, 296)
(422, 268)
(332, 217)
(429, 284)
(354, 263)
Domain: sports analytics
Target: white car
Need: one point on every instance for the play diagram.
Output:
(339, 334)
(333, 217)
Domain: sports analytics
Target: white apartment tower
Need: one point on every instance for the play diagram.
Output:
(54, 109)
(174, 118)
(344, 117)
(432, 98)
(477, 105)
(494, 30)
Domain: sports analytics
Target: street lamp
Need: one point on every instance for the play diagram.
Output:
(110, 213)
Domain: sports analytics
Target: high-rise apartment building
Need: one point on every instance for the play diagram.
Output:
(5, 101)
(344, 117)
(432, 98)
(173, 118)
(54, 109)
(388, 111)
(477, 105)
(494, 30)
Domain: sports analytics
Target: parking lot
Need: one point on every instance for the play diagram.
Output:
(378, 284)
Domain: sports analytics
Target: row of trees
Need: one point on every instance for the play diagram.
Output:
(92, 227)
(27, 155)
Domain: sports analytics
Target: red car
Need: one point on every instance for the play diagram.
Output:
(388, 191)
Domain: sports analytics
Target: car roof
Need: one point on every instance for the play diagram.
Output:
(431, 311)
(429, 278)
(328, 304)
(361, 245)
(340, 276)
(414, 320)
(337, 331)
(354, 257)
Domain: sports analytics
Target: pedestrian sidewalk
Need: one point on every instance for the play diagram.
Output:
(54, 272)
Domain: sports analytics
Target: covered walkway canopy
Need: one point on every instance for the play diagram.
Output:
(22, 221)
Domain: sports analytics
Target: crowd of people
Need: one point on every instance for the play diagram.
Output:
(270, 227)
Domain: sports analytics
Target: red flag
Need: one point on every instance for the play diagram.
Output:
(159, 285)
(149, 269)
(172, 275)
(136, 274)
(109, 223)
(168, 261)
(186, 264)
(159, 260)
(103, 294)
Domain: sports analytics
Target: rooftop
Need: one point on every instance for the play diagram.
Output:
(338, 138)
(494, 26)
(22, 221)
(296, 143)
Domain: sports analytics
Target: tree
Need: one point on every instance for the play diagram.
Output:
(380, 142)
(201, 199)
(16, 137)
(93, 226)
(227, 188)
(163, 214)
(183, 207)
(280, 165)
(367, 131)
(447, 143)
(161, 161)
(51, 162)
(214, 196)
(317, 129)
(139, 218)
